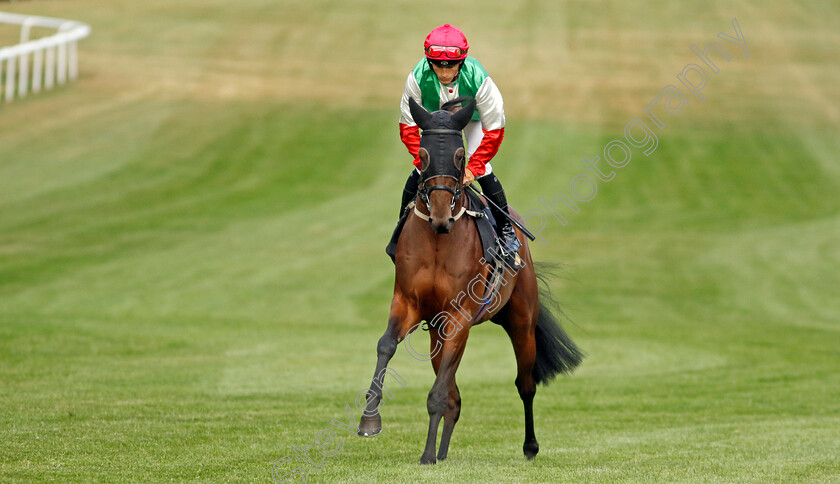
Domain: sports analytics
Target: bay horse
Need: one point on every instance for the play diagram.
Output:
(438, 255)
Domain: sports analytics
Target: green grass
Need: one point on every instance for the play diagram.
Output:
(192, 267)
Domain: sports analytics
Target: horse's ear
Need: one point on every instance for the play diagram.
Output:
(459, 158)
(424, 158)
(463, 116)
(421, 117)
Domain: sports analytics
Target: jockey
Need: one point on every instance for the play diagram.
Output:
(443, 75)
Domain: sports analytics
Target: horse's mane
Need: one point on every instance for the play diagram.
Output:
(455, 104)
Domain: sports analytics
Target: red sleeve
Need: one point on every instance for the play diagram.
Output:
(410, 136)
(486, 150)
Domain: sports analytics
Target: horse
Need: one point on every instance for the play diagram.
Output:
(438, 256)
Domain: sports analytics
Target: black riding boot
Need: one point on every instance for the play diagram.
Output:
(410, 190)
(509, 244)
(409, 193)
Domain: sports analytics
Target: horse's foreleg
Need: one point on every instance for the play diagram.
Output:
(403, 317)
(440, 402)
(450, 418)
(453, 402)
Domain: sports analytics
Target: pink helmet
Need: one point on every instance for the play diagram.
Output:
(446, 43)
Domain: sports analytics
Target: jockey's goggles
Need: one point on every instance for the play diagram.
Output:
(445, 50)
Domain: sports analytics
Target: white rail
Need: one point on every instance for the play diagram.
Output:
(55, 58)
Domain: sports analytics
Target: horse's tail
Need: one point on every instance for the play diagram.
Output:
(556, 352)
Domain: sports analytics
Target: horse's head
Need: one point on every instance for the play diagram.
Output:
(442, 160)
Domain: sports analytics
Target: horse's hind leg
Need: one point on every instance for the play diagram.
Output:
(520, 328)
(403, 318)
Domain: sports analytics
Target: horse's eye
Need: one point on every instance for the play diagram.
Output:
(424, 159)
(459, 158)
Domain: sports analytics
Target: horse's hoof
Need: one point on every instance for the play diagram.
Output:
(427, 460)
(370, 433)
(368, 427)
(531, 449)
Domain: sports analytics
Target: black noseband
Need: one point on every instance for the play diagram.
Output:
(426, 191)
(442, 131)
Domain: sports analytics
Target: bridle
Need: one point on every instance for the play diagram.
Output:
(456, 192)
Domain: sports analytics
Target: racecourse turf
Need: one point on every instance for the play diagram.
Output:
(192, 267)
